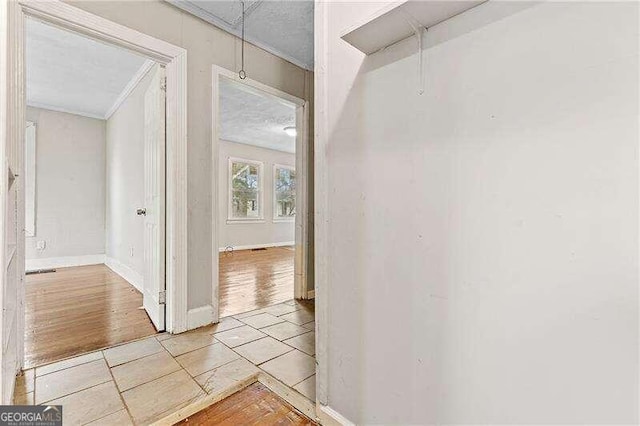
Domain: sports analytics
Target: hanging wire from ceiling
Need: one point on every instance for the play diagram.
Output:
(242, 73)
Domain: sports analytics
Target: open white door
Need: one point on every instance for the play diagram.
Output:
(154, 198)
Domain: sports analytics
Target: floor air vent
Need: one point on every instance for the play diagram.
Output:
(39, 271)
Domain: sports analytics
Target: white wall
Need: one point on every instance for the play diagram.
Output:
(205, 45)
(125, 186)
(267, 233)
(70, 187)
(483, 261)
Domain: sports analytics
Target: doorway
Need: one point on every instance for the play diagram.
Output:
(260, 238)
(12, 126)
(94, 164)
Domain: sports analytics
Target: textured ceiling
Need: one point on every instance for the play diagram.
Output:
(283, 27)
(68, 72)
(254, 117)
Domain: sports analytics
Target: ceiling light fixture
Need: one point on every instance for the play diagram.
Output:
(290, 130)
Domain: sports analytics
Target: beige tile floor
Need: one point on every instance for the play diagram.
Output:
(143, 381)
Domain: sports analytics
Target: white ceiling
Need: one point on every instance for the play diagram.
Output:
(282, 27)
(253, 117)
(71, 73)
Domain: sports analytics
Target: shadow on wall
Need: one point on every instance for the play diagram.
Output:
(477, 17)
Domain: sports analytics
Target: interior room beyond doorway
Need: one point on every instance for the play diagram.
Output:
(86, 179)
(257, 196)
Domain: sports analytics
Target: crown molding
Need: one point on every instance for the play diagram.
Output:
(133, 83)
(65, 110)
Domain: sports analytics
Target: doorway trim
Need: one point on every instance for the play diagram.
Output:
(300, 288)
(174, 58)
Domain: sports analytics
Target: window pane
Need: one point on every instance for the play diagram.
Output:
(285, 183)
(245, 190)
(30, 180)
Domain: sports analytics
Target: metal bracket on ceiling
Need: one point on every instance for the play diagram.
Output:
(248, 11)
(418, 31)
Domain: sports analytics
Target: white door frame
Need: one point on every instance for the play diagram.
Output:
(321, 213)
(174, 58)
(301, 220)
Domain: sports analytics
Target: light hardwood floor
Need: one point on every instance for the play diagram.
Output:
(80, 309)
(254, 405)
(255, 279)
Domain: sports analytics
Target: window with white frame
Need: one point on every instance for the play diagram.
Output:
(30, 179)
(284, 192)
(245, 189)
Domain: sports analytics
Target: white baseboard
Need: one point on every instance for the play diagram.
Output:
(63, 262)
(311, 294)
(330, 417)
(132, 277)
(255, 246)
(199, 317)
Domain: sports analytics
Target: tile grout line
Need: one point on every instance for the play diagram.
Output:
(124, 403)
(296, 384)
(215, 340)
(281, 341)
(261, 369)
(215, 368)
(142, 357)
(287, 338)
(181, 368)
(292, 349)
(243, 324)
(257, 311)
(194, 332)
(66, 368)
(68, 394)
(314, 370)
(74, 392)
(87, 353)
(144, 383)
(193, 378)
(90, 387)
(105, 416)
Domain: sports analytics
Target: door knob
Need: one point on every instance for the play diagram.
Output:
(141, 212)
